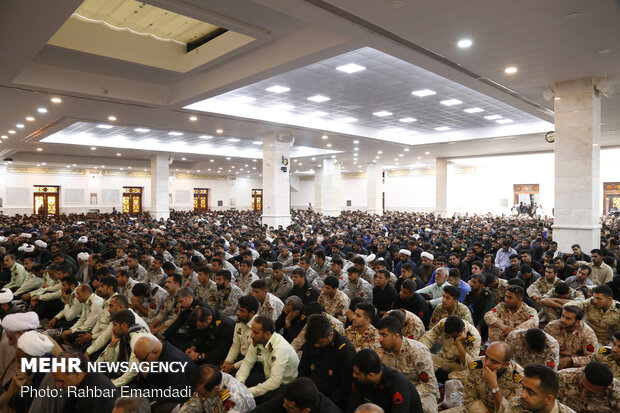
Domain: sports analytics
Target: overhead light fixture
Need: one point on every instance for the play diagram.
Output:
(324, 137)
(502, 121)
(12, 132)
(406, 149)
(29, 118)
(511, 70)
(492, 117)
(119, 154)
(183, 159)
(175, 133)
(257, 143)
(379, 152)
(4, 137)
(442, 128)
(407, 120)
(220, 131)
(104, 126)
(92, 148)
(193, 118)
(111, 118)
(278, 89)
(142, 130)
(318, 98)
(424, 92)
(382, 113)
(329, 145)
(427, 153)
(233, 140)
(41, 110)
(20, 125)
(464, 43)
(356, 141)
(39, 149)
(350, 68)
(473, 110)
(205, 137)
(451, 102)
(56, 100)
(349, 119)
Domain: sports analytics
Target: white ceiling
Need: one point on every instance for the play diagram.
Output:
(298, 45)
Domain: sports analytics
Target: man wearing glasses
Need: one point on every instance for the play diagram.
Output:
(590, 389)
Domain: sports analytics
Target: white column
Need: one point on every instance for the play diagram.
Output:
(577, 165)
(441, 187)
(331, 188)
(276, 181)
(160, 206)
(374, 180)
(318, 190)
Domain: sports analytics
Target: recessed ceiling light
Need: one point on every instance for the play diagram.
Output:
(175, 133)
(510, 70)
(39, 149)
(20, 125)
(219, 131)
(442, 128)
(379, 152)
(112, 118)
(198, 170)
(92, 148)
(183, 159)
(118, 154)
(257, 143)
(41, 110)
(211, 160)
(74, 165)
(103, 166)
(492, 117)
(104, 126)
(356, 149)
(318, 98)
(12, 132)
(233, 140)
(401, 155)
(504, 121)
(350, 68)
(349, 119)
(40, 165)
(68, 166)
(464, 43)
(406, 149)
(407, 120)
(382, 113)
(603, 51)
(473, 110)
(29, 118)
(377, 157)
(324, 137)
(142, 130)
(278, 89)
(329, 145)
(228, 158)
(419, 157)
(193, 118)
(427, 153)
(451, 102)
(4, 137)
(56, 100)
(423, 92)
(356, 141)
(556, 98)
(205, 137)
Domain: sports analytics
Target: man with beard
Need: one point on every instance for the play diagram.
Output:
(227, 295)
(602, 313)
(246, 310)
(576, 339)
(168, 312)
(512, 314)
(178, 332)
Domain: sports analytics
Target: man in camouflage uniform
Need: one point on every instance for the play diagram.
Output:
(270, 305)
(156, 274)
(455, 335)
(576, 339)
(227, 294)
(169, 310)
(543, 285)
(512, 314)
(610, 355)
(555, 299)
(321, 264)
(227, 394)
(589, 389)
(412, 325)
(278, 283)
(489, 379)
(539, 382)
(334, 301)
(534, 346)
(410, 358)
(357, 286)
(262, 269)
(206, 290)
(147, 300)
(602, 313)
(246, 277)
(361, 333)
(450, 305)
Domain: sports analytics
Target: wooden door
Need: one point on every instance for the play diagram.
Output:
(257, 200)
(132, 200)
(46, 199)
(201, 199)
(611, 196)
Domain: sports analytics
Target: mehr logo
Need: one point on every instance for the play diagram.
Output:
(51, 365)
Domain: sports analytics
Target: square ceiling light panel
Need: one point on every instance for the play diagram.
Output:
(140, 33)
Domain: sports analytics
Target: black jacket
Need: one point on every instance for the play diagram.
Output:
(183, 318)
(394, 394)
(215, 340)
(276, 405)
(418, 306)
(384, 299)
(307, 293)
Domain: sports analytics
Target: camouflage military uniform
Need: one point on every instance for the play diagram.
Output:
(603, 355)
(233, 397)
(227, 300)
(448, 357)
(570, 394)
(361, 289)
(153, 302)
(541, 286)
(300, 340)
(524, 317)
(555, 313)
(368, 274)
(156, 277)
(603, 323)
(415, 362)
(265, 273)
(460, 310)
(337, 306)
(500, 291)
(191, 282)
(478, 394)
(368, 339)
(514, 406)
(168, 312)
(579, 345)
(279, 288)
(245, 282)
(321, 270)
(271, 307)
(207, 293)
(413, 327)
(550, 356)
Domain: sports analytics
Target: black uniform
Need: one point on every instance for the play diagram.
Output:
(307, 293)
(291, 332)
(214, 341)
(394, 394)
(178, 332)
(330, 368)
(416, 305)
(384, 299)
(479, 304)
(276, 405)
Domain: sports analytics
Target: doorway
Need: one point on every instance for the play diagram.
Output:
(526, 198)
(45, 199)
(257, 200)
(132, 200)
(611, 196)
(201, 199)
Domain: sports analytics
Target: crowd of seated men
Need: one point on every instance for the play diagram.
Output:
(353, 313)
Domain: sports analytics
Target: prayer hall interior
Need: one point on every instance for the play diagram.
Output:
(309, 206)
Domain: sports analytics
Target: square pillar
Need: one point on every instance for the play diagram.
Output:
(577, 165)
(441, 187)
(374, 180)
(331, 188)
(276, 181)
(160, 187)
